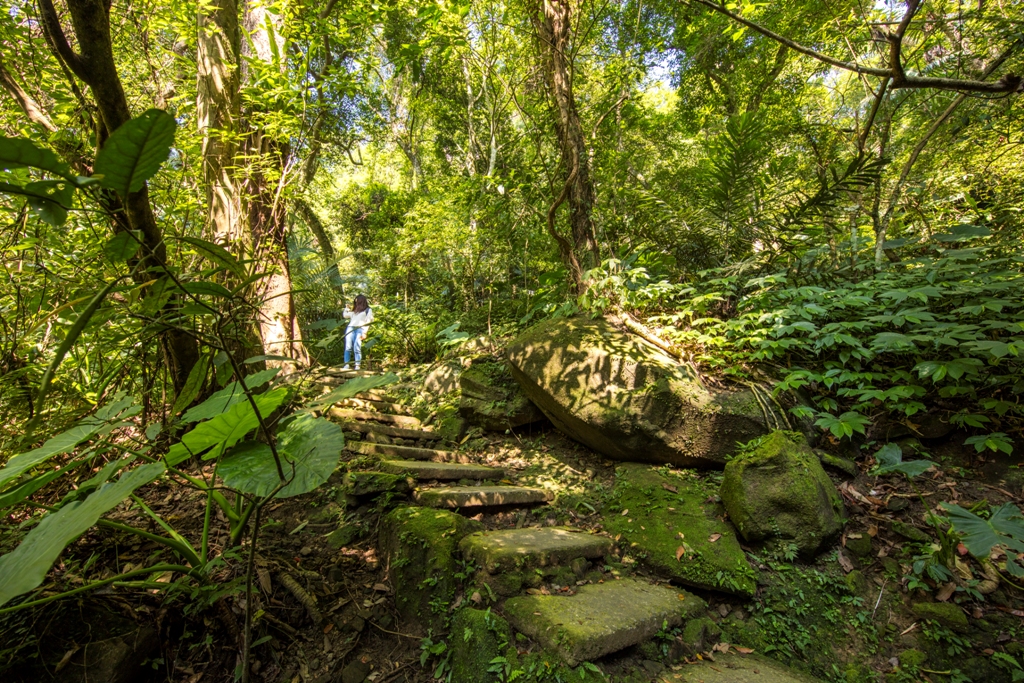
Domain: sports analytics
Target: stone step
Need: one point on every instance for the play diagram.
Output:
(404, 452)
(734, 667)
(529, 548)
(441, 471)
(398, 420)
(348, 374)
(600, 618)
(394, 432)
(480, 496)
(371, 395)
(380, 406)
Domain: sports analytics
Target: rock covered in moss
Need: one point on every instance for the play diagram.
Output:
(420, 547)
(626, 399)
(476, 639)
(658, 511)
(943, 613)
(491, 398)
(778, 489)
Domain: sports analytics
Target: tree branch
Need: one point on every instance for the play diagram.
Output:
(1009, 83)
(55, 33)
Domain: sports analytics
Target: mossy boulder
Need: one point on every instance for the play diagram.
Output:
(477, 637)
(421, 551)
(666, 510)
(493, 400)
(778, 489)
(628, 400)
(943, 613)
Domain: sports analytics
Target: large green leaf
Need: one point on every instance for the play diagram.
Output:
(312, 445)
(216, 253)
(1005, 526)
(193, 384)
(352, 388)
(890, 459)
(26, 566)
(87, 428)
(226, 429)
(21, 152)
(228, 396)
(135, 151)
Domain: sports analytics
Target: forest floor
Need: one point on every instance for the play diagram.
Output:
(848, 615)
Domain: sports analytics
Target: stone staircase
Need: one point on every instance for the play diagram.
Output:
(550, 583)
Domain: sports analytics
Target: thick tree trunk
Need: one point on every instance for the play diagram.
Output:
(553, 25)
(94, 64)
(264, 204)
(218, 109)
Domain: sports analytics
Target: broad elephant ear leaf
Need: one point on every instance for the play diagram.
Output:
(134, 152)
(312, 446)
(213, 437)
(26, 566)
(890, 459)
(1005, 526)
(228, 396)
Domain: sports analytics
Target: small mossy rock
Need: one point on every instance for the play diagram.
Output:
(661, 505)
(627, 399)
(477, 637)
(838, 464)
(493, 400)
(442, 379)
(361, 484)
(856, 583)
(114, 659)
(355, 672)
(859, 546)
(737, 668)
(699, 635)
(911, 533)
(344, 535)
(421, 546)
(912, 658)
(778, 489)
(944, 613)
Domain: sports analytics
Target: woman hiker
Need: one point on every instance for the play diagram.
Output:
(359, 318)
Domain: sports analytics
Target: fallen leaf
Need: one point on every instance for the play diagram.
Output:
(264, 578)
(743, 650)
(844, 562)
(721, 647)
(625, 512)
(909, 629)
(873, 530)
(476, 597)
(714, 537)
(329, 627)
(65, 659)
(669, 487)
(961, 548)
(945, 592)
(680, 551)
(380, 587)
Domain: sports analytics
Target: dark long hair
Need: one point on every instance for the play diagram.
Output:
(360, 305)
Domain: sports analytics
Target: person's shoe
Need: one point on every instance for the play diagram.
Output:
(357, 366)
(346, 367)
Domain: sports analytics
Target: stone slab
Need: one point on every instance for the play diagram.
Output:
(480, 496)
(600, 618)
(498, 551)
(737, 668)
(403, 452)
(371, 404)
(397, 420)
(441, 471)
(395, 432)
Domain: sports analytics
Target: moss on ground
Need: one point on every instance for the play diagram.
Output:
(666, 510)
(480, 644)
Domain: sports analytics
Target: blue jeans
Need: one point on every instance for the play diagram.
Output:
(354, 342)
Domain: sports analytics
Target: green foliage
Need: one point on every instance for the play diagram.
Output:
(889, 459)
(135, 151)
(1003, 527)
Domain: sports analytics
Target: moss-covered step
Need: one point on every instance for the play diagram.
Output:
(480, 496)
(601, 618)
(397, 420)
(737, 668)
(441, 471)
(404, 452)
(498, 551)
(371, 427)
(375, 483)
(657, 511)
(371, 404)
(420, 548)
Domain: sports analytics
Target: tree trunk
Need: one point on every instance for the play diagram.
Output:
(303, 209)
(264, 204)
(553, 25)
(94, 64)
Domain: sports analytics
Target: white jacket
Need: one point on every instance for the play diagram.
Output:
(361, 319)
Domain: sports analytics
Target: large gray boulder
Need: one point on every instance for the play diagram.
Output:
(627, 399)
(493, 400)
